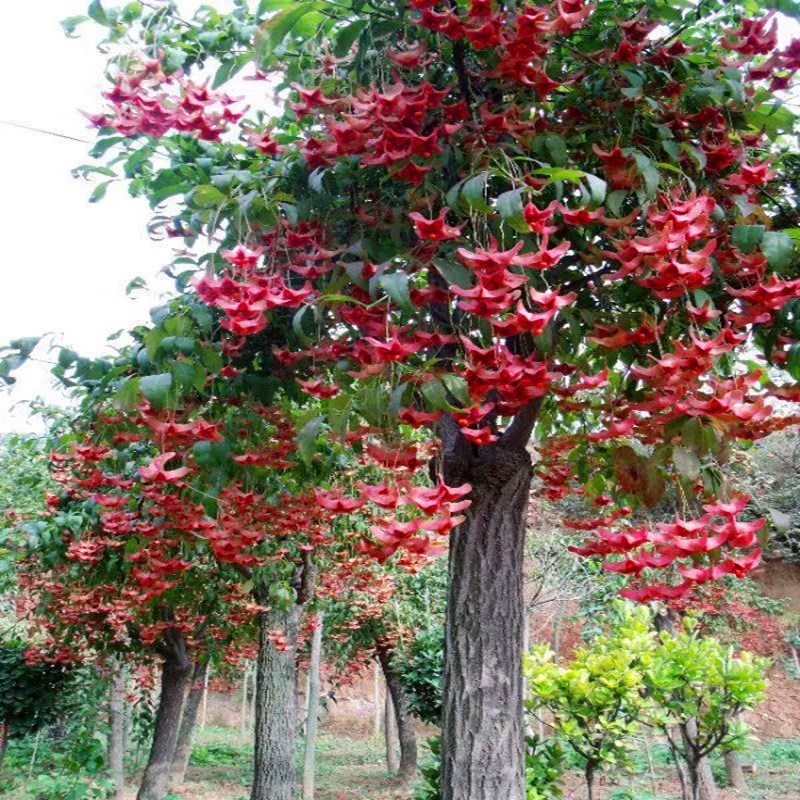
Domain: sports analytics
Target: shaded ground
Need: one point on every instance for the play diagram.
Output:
(354, 769)
(351, 766)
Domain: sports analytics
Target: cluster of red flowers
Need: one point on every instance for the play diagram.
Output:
(150, 103)
(681, 540)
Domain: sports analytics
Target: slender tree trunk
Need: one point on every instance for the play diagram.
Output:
(3, 743)
(390, 738)
(733, 766)
(204, 710)
(183, 748)
(176, 674)
(482, 721)
(276, 707)
(312, 712)
(589, 775)
(376, 701)
(404, 720)
(243, 709)
(116, 732)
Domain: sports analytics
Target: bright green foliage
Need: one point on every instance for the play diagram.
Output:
(545, 762)
(596, 701)
(698, 682)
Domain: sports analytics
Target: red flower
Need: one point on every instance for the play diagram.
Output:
(436, 229)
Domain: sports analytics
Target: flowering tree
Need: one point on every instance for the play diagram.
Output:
(483, 219)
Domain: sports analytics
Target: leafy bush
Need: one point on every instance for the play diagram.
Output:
(61, 787)
(421, 672)
(544, 768)
(218, 754)
(30, 695)
(597, 700)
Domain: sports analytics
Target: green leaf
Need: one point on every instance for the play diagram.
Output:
(206, 196)
(473, 190)
(71, 23)
(615, 201)
(560, 174)
(747, 237)
(271, 5)
(510, 206)
(307, 438)
(457, 386)
(556, 149)
(793, 361)
(156, 387)
(597, 189)
(209, 454)
(435, 393)
(395, 284)
(271, 33)
(134, 285)
(650, 174)
(97, 12)
(99, 191)
(454, 274)
(346, 37)
(230, 68)
(778, 248)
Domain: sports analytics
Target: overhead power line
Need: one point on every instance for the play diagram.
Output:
(45, 132)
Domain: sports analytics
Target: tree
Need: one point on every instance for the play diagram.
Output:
(597, 701)
(701, 686)
(485, 218)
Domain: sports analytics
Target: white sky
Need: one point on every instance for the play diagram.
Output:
(66, 262)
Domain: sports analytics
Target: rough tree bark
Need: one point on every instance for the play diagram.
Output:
(482, 722)
(276, 706)
(183, 748)
(276, 710)
(312, 713)
(176, 674)
(116, 732)
(404, 721)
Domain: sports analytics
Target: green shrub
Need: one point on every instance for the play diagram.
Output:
(217, 754)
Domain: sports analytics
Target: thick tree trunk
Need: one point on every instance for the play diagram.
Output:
(183, 748)
(276, 707)
(116, 732)
(482, 722)
(733, 766)
(312, 712)
(176, 674)
(403, 718)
